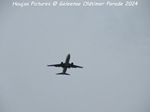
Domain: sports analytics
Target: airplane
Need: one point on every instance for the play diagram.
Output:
(65, 66)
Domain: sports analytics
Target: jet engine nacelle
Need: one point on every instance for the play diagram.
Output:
(70, 64)
(61, 63)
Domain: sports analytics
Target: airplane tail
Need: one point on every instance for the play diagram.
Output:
(62, 74)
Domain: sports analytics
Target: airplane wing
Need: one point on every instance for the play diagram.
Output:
(56, 65)
(74, 66)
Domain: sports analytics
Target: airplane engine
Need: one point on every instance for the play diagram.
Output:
(72, 63)
(61, 63)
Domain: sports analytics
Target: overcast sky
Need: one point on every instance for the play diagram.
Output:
(111, 43)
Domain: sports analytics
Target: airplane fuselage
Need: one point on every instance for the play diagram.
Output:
(67, 60)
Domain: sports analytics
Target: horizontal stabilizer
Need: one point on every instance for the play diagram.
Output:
(62, 74)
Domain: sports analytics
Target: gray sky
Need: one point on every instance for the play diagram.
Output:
(111, 43)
